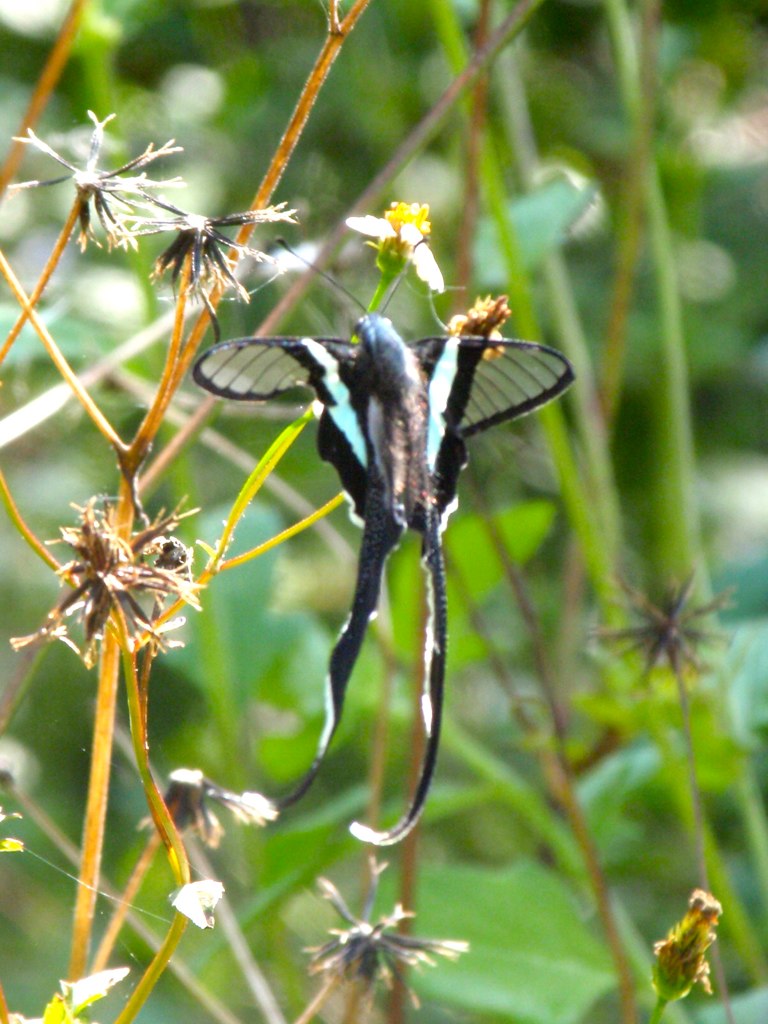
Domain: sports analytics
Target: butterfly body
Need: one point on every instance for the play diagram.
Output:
(393, 424)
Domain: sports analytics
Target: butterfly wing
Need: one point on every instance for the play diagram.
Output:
(258, 369)
(476, 383)
(508, 379)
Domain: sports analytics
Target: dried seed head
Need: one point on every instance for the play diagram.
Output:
(483, 320)
(188, 798)
(667, 631)
(112, 194)
(112, 573)
(369, 952)
(680, 958)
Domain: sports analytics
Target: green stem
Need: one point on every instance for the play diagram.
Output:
(590, 503)
(266, 464)
(153, 972)
(381, 290)
(737, 923)
(677, 530)
(177, 855)
(658, 1010)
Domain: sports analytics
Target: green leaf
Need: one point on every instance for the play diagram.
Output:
(746, 665)
(239, 640)
(532, 959)
(522, 528)
(541, 219)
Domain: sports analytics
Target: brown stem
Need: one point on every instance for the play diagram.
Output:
(410, 845)
(5, 1017)
(99, 419)
(50, 75)
(187, 432)
(309, 94)
(51, 264)
(127, 897)
(98, 784)
(96, 807)
(322, 997)
(477, 118)
(169, 382)
(334, 25)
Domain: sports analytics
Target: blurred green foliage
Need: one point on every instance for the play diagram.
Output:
(243, 700)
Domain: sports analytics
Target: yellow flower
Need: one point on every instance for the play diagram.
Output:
(401, 237)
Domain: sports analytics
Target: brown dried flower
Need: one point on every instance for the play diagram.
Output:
(666, 632)
(201, 241)
(112, 573)
(374, 952)
(680, 960)
(102, 188)
(189, 794)
(483, 320)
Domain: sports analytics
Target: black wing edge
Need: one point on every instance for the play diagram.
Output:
(219, 368)
(257, 369)
(536, 401)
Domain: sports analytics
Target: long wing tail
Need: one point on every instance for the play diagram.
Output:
(380, 535)
(432, 697)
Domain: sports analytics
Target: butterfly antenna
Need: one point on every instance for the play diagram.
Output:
(328, 278)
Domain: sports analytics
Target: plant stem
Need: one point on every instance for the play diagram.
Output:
(677, 530)
(96, 807)
(640, 100)
(4, 1014)
(169, 382)
(284, 535)
(658, 1010)
(61, 242)
(109, 938)
(61, 364)
(154, 971)
(316, 1004)
(18, 521)
(49, 76)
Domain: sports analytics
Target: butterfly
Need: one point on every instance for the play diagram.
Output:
(394, 421)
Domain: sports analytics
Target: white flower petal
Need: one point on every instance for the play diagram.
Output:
(426, 267)
(374, 227)
(411, 235)
(197, 900)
